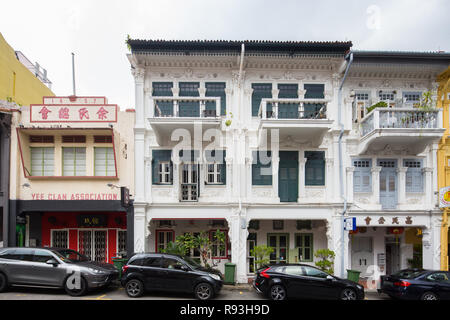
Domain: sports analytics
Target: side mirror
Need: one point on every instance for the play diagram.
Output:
(52, 262)
(184, 268)
(329, 277)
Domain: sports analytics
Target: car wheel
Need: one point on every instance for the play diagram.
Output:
(134, 288)
(348, 294)
(429, 296)
(277, 292)
(74, 289)
(204, 291)
(3, 282)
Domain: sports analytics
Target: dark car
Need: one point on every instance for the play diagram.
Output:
(167, 272)
(53, 268)
(282, 281)
(417, 284)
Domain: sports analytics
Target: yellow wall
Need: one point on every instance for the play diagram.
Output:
(26, 89)
(444, 158)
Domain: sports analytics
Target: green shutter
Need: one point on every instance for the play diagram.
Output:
(259, 171)
(315, 168)
(189, 108)
(288, 110)
(216, 89)
(260, 91)
(223, 171)
(160, 156)
(163, 89)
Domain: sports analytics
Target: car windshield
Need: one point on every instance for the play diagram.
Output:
(408, 274)
(71, 256)
(194, 264)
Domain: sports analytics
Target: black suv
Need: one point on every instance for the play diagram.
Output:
(168, 272)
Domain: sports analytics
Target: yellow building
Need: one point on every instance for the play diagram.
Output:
(17, 83)
(443, 100)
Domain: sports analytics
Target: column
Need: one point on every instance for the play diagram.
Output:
(238, 244)
(329, 163)
(275, 170)
(139, 154)
(301, 177)
(431, 243)
(339, 243)
(350, 171)
(140, 227)
(428, 187)
(176, 177)
(149, 111)
(148, 178)
(376, 184)
(401, 172)
(275, 105)
(139, 76)
(229, 177)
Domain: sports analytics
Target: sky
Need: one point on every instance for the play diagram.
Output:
(48, 31)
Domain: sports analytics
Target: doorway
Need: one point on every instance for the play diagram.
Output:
(388, 184)
(288, 176)
(93, 243)
(392, 256)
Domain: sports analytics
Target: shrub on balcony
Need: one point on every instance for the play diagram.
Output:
(380, 104)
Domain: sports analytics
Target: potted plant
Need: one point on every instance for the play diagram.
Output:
(261, 254)
(326, 262)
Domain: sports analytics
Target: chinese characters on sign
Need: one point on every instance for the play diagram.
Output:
(73, 113)
(395, 220)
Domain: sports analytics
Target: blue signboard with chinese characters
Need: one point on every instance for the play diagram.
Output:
(350, 224)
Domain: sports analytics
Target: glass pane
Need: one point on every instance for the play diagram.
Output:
(272, 241)
(382, 183)
(283, 241)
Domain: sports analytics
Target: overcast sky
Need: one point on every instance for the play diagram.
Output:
(47, 31)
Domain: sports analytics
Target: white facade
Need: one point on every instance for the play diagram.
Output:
(240, 200)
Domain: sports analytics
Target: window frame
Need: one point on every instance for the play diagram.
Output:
(157, 242)
(257, 165)
(74, 161)
(114, 174)
(211, 238)
(42, 161)
(314, 164)
(303, 247)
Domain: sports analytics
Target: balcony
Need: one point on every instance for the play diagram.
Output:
(305, 120)
(171, 113)
(408, 129)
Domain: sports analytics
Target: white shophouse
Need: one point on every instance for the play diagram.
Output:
(245, 137)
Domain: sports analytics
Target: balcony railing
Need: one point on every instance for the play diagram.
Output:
(293, 109)
(186, 107)
(402, 118)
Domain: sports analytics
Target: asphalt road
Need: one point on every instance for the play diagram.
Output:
(118, 293)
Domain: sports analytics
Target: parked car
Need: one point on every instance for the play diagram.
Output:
(282, 281)
(54, 268)
(167, 272)
(415, 284)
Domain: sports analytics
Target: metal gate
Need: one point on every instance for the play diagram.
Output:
(93, 243)
(189, 182)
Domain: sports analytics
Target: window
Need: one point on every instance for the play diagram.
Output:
(262, 168)
(438, 277)
(315, 168)
(74, 139)
(193, 252)
(411, 96)
(60, 239)
(218, 250)
(414, 175)
(42, 161)
(162, 168)
(304, 245)
(314, 91)
(278, 224)
(189, 108)
(216, 169)
(102, 139)
(216, 89)
(153, 262)
(74, 161)
(42, 139)
(251, 243)
(361, 104)
(163, 237)
(42, 256)
(260, 91)
(121, 241)
(293, 270)
(362, 96)
(384, 96)
(288, 110)
(313, 272)
(170, 263)
(104, 161)
(362, 176)
(163, 89)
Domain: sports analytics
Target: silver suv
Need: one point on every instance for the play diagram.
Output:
(53, 267)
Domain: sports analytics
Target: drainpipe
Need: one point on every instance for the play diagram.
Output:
(349, 59)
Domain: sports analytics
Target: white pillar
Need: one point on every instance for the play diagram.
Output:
(140, 228)
(148, 178)
(237, 225)
(275, 167)
(139, 154)
(350, 171)
(401, 171)
(176, 177)
(337, 242)
(431, 243)
(329, 179)
(376, 184)
(301, 177)
(428, 187)
(139, 76)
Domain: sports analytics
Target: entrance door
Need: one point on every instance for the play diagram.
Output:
(280, 243)
(362, 254)
(388, 184)
(392, 256)
(288, 176)
(93, 244)
(189, 182)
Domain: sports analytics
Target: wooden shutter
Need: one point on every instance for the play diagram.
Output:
(314, 91)
(362, 176)
(189, 108)
(260, 91)
(315, 168)
(414, 175)
(216, 89)
(159, 156)
(163, 89)
(259, 179)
